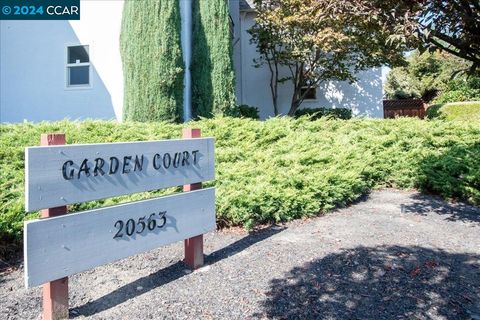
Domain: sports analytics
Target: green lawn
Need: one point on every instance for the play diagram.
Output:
(463, 111)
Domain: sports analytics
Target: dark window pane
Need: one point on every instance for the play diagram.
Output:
(79, 75)
(79, 53)
(311, 94)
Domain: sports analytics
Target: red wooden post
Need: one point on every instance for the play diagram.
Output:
(55, 293)
(193, 246)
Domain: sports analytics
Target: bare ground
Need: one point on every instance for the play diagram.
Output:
(393, 255)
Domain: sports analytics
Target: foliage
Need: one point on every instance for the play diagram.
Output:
(464, 111)
(426, 76)
(461, 90)
(247, 111)
(435, 71)
(307, 42)
(452, 26)
(213, 79)
(317, 113)
(152, 60)
(401, 85)
(282, 168)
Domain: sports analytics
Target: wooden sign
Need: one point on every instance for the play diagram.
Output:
(61, 246)
(66, 174)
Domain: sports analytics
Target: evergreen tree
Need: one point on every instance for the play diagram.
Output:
(152, 60)
(213, 78)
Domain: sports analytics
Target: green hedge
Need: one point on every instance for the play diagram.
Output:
(283, 168)
(152, 60)
(213, 78)
(247, 111)
(317, 113)
(460, 90)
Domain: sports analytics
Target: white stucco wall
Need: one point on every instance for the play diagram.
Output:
(33, 66)
(364, 97)
(234, 7)
(100, 25)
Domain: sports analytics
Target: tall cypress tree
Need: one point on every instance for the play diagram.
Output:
(213, 78)
(152, 60)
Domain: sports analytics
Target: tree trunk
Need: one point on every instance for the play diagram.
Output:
(275, 103)
(297, 98)
(296, 101)
(294, 107)
(274, 83)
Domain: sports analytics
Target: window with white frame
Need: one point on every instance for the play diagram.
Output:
(78, 66)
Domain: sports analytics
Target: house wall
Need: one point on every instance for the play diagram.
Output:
(33, 66)
(234, 7)
(364, 97)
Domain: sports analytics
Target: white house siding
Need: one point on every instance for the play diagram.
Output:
(364, 97)
(33, 66)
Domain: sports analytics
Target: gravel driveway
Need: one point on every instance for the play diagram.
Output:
(393, 255)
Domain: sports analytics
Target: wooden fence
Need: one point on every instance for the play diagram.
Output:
(404, 108)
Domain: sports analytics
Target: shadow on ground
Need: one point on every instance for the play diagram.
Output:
(424, 204)
(168, 274)
(379, 283)
(10, 253)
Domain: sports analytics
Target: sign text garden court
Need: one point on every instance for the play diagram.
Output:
(61, 175)
(59, 244)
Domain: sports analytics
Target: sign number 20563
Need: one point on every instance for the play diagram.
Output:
(131, 226)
